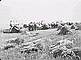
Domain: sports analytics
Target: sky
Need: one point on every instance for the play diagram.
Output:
(24, 11)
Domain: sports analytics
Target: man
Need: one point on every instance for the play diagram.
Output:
(30, 27)
(11, 24)
(35, 26)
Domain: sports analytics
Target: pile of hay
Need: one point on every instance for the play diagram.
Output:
(64, 31)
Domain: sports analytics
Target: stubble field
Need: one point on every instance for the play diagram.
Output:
(48, 37)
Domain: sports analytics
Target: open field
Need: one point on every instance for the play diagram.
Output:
(48, 37)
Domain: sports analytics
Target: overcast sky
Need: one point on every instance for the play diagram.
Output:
(47, 10)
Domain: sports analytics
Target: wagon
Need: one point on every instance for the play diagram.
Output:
(12, 30)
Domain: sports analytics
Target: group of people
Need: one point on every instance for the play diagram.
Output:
(33, 26)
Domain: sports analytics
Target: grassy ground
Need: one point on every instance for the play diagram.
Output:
(48, 37)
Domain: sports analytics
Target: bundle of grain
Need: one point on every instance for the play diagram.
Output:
(64, 31)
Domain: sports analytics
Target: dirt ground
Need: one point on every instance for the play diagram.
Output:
(45, 35)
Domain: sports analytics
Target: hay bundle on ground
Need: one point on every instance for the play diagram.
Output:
(78, 27)
(72, 27)
(61, 50)
(16, 41)
(8, 47)
(64, 31)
